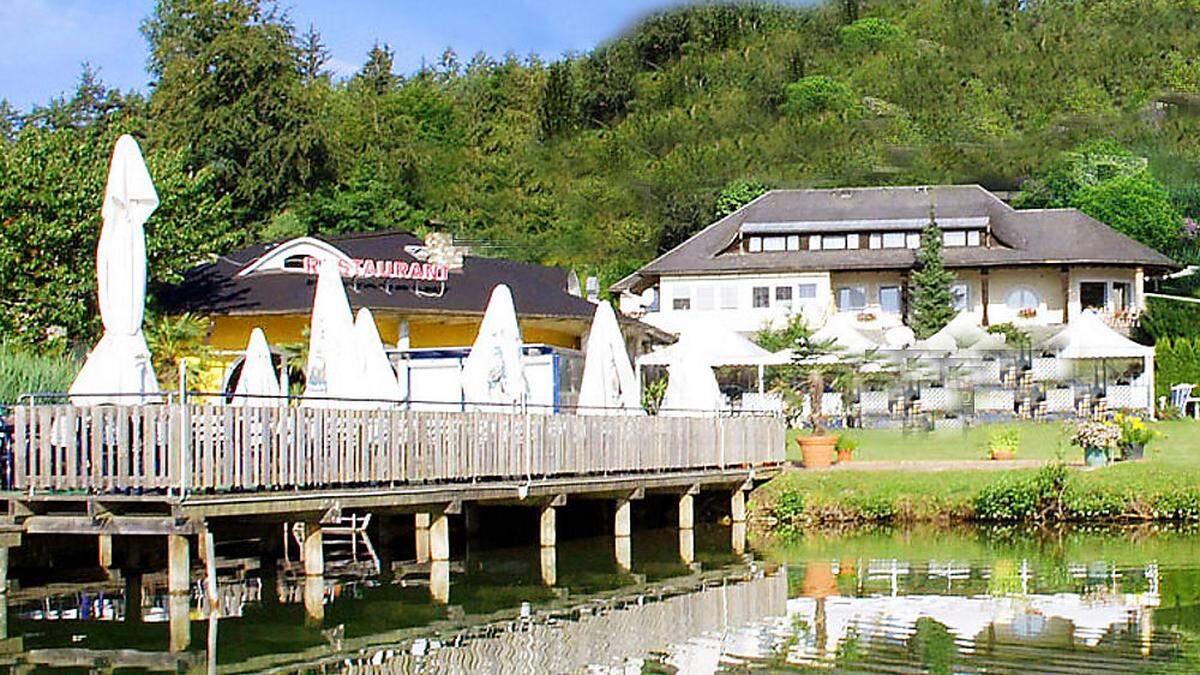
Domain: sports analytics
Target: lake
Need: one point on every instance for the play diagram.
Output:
(890, 600)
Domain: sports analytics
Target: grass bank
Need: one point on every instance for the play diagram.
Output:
(22, 371)
(1165, 486)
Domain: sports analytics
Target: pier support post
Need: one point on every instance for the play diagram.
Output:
(314, 550)
(314, 600)
(737, 515)
(687, 532)
(209, 557)
(422, 524)
(438, 537)
(179, 622)
(179, 564)
(622, 532)
(104, 544)
(548, 539)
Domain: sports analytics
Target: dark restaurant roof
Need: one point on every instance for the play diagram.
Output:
(1021, 237)
(216, 287)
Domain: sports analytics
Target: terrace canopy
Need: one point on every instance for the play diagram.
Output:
(716, 346)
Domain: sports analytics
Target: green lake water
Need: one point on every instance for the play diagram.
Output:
(894, 600)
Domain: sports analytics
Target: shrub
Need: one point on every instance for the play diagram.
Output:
(1176, 360)
(870, 34)
(1013, 336)
(1037, 498)
(788, 506)
(816, 94)
(1168, 319)
(1093, 504)
(1178, 505)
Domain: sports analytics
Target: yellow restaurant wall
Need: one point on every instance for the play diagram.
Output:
(230, 333)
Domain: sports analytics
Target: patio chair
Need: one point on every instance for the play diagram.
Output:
(1181, 398)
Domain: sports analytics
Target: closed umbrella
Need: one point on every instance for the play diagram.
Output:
(258, 384)
(333, 357)
(377, 381)
(494, 372)
(119, 370)
(609, 385)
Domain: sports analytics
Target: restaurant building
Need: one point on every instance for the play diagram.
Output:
(427, 296)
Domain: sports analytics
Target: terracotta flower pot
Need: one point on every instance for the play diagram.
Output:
(844, 455)
(1004, 455)
(817, 452)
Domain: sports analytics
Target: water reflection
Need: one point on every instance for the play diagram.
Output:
(895, 600)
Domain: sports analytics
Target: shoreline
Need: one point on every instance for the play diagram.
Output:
(800, 500)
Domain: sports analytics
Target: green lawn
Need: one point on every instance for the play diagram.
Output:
(1172, 465)
(1179, 442)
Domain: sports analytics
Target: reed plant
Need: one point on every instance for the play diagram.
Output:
(23, 370)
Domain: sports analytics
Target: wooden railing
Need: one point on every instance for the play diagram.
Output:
(115, 449)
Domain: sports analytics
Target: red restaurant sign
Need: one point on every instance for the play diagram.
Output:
(383, 269)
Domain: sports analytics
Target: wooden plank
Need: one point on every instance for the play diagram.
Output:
(21, 450)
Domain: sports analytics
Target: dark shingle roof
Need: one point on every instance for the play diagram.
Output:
(216, 288)
(1033, 237)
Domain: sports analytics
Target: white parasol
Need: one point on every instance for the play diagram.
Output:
(609, 385)
(119, 370)
(494, 372)
(333, 356)
(258, 384)
(377, 382)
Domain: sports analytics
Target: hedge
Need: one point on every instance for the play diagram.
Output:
(1176, 360)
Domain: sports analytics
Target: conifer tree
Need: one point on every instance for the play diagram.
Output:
(932, 303)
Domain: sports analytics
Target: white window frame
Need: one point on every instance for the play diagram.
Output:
(875, 240)
(802, 295)
(784, 302)
(893, 240)
(793, 242)
(833, 242)
(954, 238)
(814, 242)
(899, 298)
(1038, 299)
(774, 244)
(852, 240)
(862, 292)
(974, 237)
(727, 296)
(754, 245)
(754, 297)
(683, 293)
(966, 295)
(912, 240)
(705, 298)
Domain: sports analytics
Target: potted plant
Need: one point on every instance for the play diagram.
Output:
(1134, 436)
(846, 445)
(814, 365)
(1003, 444)
(1098, 438)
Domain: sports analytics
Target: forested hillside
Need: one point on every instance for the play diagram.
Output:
(601, 160)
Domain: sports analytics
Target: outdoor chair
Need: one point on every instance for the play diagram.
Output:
(1181, 398)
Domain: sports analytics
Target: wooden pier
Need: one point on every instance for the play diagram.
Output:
(179, 470)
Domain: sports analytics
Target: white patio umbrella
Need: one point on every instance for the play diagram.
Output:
(691, 384)
(377, 380)
(119, 370)
(494, 372)
(334, 361)
(258, 383)
(841, 331)
(609, 385)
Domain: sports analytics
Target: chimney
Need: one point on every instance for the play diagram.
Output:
(441, 250)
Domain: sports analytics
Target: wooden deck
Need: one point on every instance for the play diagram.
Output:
(202, 461)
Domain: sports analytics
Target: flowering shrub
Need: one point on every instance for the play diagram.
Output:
(1104, 434)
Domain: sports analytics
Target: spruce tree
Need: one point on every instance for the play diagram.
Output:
(932, 304)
